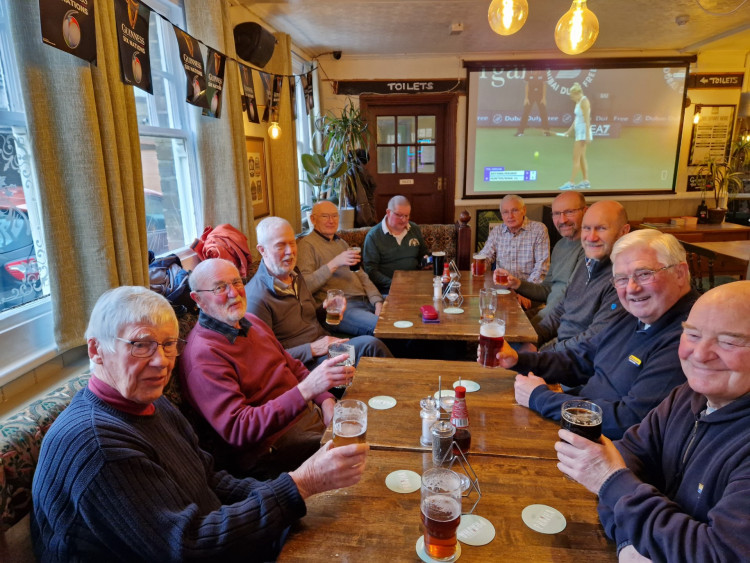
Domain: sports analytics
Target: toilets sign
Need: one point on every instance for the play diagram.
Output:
(397, 86)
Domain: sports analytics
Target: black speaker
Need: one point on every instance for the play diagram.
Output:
(253, 43)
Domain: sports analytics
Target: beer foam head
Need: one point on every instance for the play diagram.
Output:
(492, 330)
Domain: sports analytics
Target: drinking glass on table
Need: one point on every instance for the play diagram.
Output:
(441, 512)
(349, 423)
(339, 348)
(500, 277)
(487, 304)
(335, 302)
(491, 338)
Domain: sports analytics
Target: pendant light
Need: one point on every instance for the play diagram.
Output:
(577, 29)
(507, 16)
(274, 130)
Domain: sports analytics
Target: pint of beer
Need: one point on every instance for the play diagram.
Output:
(355, 267)
(438, 259)
(349, 423)
(441, 512)
(478, 265)
(500, 277)
(334, 306)
(491, 337)
(583, 418)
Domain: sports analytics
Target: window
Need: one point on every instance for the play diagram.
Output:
(406, 144)
(166, 128)
(304, 129)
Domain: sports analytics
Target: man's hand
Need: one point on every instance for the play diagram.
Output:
(321, 345)
(327, 408)
(378, 308)
(524, 385)
(589, 463)
(330, 468)
(325, 376)
(347, 258)
(523, 301)
(343, 305)
(628, 554)
(513, 281)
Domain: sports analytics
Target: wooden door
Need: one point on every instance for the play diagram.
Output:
(413, 152)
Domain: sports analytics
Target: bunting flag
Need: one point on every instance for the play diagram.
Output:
(132, 20)
(278, 81)
(307, 88)
(267, 80)
(69, 26)
(192, 62)
(249, 104)
(293, 96)
(215, 74)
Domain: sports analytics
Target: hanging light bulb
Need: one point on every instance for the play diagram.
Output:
(697, 115)
(274, 131)
(577, 29)
(507, 16)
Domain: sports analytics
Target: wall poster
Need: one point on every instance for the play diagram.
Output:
(712, 135)
(256, 162)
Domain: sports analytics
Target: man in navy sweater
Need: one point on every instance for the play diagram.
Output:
(630, 367)
(676, 487)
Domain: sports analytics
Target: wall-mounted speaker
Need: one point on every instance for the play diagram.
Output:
(253, 43)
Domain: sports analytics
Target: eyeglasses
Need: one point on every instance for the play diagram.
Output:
(399, 215)
(566, 213)
(222, 288)
(146, 348)
(641, 277)
(328, 216)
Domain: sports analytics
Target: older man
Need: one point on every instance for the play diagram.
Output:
(394, 244)
(279, 296)
(324, 261)
(630, 367)
(120, 474)
(263, 405)
(676, 487)
(519, 246)
(568, 209)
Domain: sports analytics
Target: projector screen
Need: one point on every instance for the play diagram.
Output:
(634, 107)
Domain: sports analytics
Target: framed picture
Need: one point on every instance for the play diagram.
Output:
(712, 135)
(256, 163)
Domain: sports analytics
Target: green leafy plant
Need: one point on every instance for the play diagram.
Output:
(321, 175)
(724, 176)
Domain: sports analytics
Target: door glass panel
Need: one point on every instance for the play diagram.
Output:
(426, 164)
(406, 132)
(406, 160)
(426, 129)
(386, 160)
(386, 130)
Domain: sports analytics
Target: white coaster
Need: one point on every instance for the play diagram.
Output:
(403, 324)
(475, 530)
(382, 402)
(543, 519)
(426, 558)
(453, 310)
(403, 481)
(502, 291)
(471, 386)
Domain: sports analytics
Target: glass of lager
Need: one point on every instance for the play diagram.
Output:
(335, 302)
(349, 423)
(491, 337)
(441, 512)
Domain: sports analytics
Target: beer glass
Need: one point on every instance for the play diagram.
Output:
(335, 350)
(349, 423)
(487, 304)
(583, 418)
(358, 250)
(478, 265)
(335, 302)
(500, 277)
(491, 337)
(438, 259)
(441, 512)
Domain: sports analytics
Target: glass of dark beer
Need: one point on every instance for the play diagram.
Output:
(335, 301)
(349, 423)
(438, 259)
(583, 418)
(491, 338)
(358, 250)
(441, 512)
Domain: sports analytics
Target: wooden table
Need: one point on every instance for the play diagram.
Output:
(702, 233)
(499, 427)
(412, 289)
(730, 249)
(370, 523)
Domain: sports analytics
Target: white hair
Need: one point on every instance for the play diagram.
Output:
(266, 226)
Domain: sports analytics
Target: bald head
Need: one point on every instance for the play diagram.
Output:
(603, 223)
(325, 218)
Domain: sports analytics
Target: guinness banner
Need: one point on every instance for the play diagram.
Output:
(307, 88)
(192, 62)
(69, 25)
(215, 74)
(132, 20)
(249, 104)
(293, 95)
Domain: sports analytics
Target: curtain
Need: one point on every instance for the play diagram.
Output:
(221, 142)
(83, 133)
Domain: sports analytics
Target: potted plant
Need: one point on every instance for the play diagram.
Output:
(724, 177)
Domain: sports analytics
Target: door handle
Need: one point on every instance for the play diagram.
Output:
(439, 184)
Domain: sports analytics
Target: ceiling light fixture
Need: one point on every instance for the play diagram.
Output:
(274, 131)
(507, 16)
(577, 29)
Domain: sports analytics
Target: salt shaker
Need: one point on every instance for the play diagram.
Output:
(442, 442)
(437, 288)
(429, 415)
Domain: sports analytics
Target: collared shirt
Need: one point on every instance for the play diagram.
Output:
(524, 254)
(282, 288)
(398, 238)
(231, 333)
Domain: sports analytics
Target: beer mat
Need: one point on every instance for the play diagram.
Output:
(426, 558)
(475, 530)
(502, 291)
(403, 481)
(453, 310)
(471, 386)
(382, 402)
(403, 324)
(543, 519)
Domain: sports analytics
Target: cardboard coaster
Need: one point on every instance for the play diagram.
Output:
(382, 402)
(453, 310)
(475, 530)
(403, 481)
(544, 519)
(403, 324)
(426, 558)
(471, 386)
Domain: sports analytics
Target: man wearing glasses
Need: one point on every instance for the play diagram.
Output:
(628, 368)
(394, 244)
(326, 262)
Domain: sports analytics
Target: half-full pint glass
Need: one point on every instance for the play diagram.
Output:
(438, 259)
(349, 423)
(500, 278)
(441, 512)
(491, 337)
(335, 301)
(583, 418)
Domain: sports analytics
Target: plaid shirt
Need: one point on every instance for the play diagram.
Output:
(525, 255)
